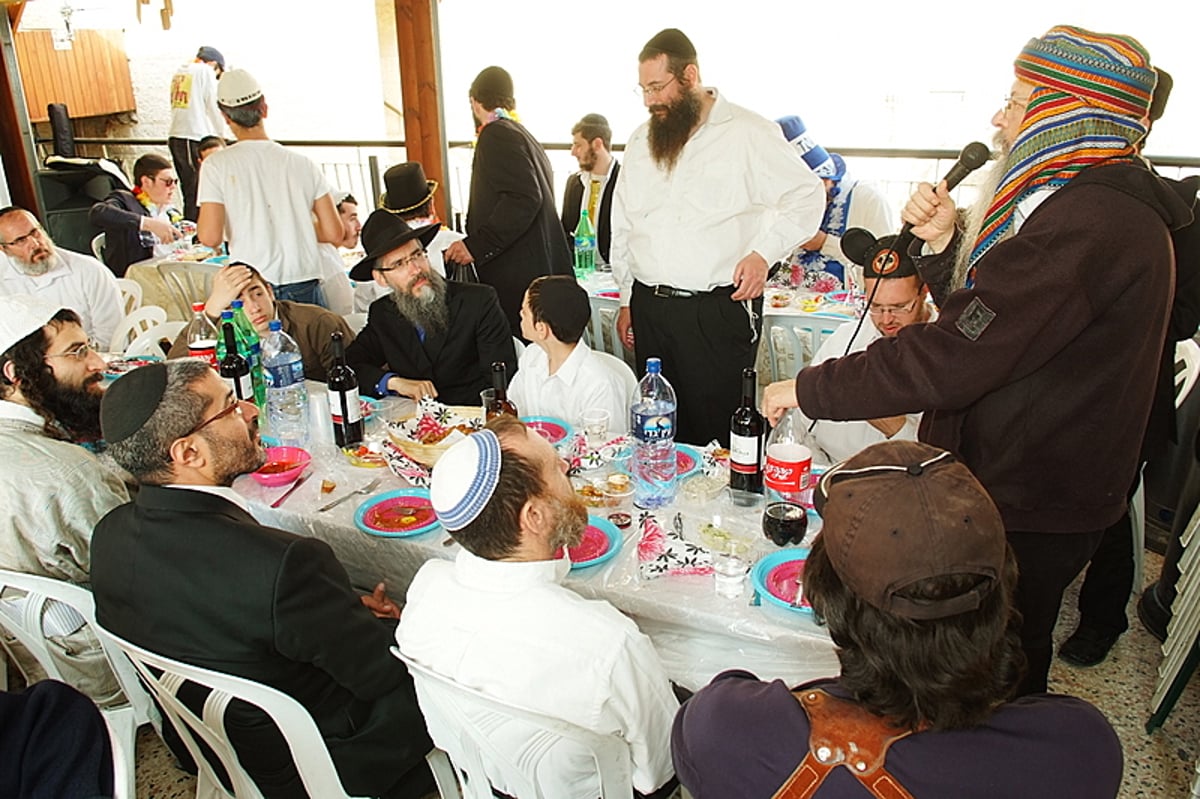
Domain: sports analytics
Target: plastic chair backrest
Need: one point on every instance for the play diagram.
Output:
(134, 325)
(131, 293)
(24, 622)
(1187, 364)
(518, 348)
(187, 282)
(147, 342)
(460, 720)
(792, 341)
(356, 320)
(309, 752)
(98, 242)
(628, 379)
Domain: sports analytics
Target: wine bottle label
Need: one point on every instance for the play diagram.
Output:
(744, 454)
(243, 389)
(788, 467)
(353, 406)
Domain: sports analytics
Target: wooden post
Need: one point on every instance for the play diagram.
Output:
(15, 132)
(416, 39)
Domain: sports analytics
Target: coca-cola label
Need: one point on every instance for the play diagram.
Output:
(206, 352)
(744, 454)
(353, 406)
(788, 468)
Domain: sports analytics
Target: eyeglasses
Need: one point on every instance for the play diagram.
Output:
(80, 352)
(236, 407)
(653, 89)
(894, 310)
(1012, 101)
(168, 182)
(405, 262)
(36, 233)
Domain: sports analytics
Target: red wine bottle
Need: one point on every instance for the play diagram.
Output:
(500, 403)
(344, 406)
(746, 429)
(234, 368)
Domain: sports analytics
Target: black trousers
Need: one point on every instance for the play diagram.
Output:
(1048, 562)
(704, 342)
(186, 155)
(1109, 580)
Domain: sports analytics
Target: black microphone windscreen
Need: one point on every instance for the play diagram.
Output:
(856, 243)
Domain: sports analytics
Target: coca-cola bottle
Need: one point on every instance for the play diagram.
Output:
(786, 478)
(202, 336)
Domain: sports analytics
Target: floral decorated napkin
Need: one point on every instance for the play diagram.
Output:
(431, 420)
(405, 467)
(662, 551)
(581, 457)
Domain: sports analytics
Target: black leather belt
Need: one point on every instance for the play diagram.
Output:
(670, 292)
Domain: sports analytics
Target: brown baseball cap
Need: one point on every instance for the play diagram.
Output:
(900, 512)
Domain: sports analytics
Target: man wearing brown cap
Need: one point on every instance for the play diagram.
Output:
(186, 571)
(1040, 369)
(912, 574)
(429, 337)
(513, 230)
(709, 195)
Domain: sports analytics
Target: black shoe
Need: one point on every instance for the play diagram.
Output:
(1087, 647)
(1153, 616)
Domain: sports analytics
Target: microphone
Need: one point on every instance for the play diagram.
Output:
(973, 156)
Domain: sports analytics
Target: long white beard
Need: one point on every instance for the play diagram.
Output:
(974, 215)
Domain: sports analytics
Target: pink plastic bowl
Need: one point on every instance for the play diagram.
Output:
(277, 455)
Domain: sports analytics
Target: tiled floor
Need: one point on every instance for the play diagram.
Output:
(1161, 765)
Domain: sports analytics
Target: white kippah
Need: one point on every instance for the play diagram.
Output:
(464, 479)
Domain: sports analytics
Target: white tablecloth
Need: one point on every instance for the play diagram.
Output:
(697, 633)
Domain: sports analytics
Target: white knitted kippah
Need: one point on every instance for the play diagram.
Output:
(464, 479)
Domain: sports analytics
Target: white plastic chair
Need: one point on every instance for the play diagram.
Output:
(147, 342)
(98, 246)
(518, 347)
(308, 749)
(460, 718)
(24, 622)
(134, 325)
(622, 369)
(131, 293)
(357, 321)
(792, 341)
(187, 282)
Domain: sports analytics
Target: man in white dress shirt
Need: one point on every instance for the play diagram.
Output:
(34, 265)
(709, 195)
(899, 300)
(498, 618)
(558, 374)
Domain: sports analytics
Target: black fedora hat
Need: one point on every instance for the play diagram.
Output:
(406, 188)
(383, 233)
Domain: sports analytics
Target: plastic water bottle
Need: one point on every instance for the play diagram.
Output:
(585, 247)
(652, 422)
(287, 397)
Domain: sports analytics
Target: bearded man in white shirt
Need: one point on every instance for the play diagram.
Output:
(499, 620)
(709, 195)
(559, 375)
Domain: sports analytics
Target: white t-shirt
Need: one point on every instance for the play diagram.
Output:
(513, 632)
(75, 281)
(268, 192)
(582, 382)
(194, 112)
(335, 283)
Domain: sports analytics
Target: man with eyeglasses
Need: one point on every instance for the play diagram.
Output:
(429, 337)
(1040, 369)
(186, 571)
(897, 300)
(52, 490)
(140, 224)
(513, 231)
(709, 195)
(32, 264)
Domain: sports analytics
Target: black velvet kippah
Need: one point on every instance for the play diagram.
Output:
(131, 400)
(672, 41)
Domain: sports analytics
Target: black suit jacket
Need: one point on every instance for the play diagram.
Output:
(193, 577)
(573, 200)
(457, 361)
(120, 215)
(513, 229)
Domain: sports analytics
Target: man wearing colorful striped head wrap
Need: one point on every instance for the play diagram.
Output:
(1039, 370)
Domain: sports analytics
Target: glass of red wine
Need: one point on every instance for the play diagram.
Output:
(785, 523)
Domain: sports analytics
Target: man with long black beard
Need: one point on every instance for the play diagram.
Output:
(53, 492)
(1040, 369)
(428, 338)
(708, 196)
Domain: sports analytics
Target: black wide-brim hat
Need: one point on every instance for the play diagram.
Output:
(406, 188)
(383, 233)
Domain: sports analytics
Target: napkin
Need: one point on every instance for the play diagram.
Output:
(405, 467)
(662, 552)
(433, 417)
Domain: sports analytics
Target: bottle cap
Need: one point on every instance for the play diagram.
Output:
(226, 314)
(197, 306)
(236, 304)
(654, 365)
(275, 324)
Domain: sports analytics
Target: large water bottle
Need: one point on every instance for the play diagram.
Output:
(585, 247)
(652, 422)
(287, 398)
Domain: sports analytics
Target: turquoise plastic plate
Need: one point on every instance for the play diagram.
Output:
(553, 430)
(601, 541)
(775, 578)
(388, 515)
